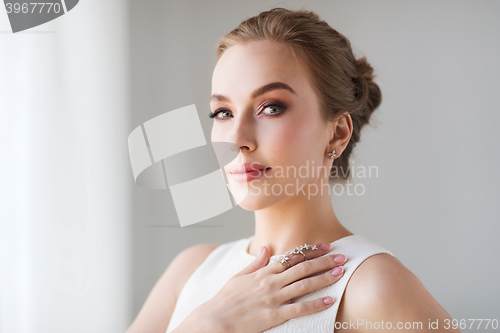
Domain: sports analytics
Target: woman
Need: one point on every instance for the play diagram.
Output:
(288, 91)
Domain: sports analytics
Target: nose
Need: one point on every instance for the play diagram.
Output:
(242, 133)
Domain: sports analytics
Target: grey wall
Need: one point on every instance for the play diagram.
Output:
(433, 139)
(65, 189)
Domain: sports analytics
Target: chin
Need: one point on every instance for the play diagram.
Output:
(253, 203)
(251, 199)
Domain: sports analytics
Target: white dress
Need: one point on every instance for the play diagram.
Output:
(229, 258)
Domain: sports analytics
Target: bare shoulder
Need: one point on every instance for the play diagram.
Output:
(382, 288)
(187, 261)
(157, 310)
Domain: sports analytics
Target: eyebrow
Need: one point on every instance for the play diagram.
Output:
(262, 90)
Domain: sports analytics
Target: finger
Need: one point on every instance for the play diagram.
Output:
(311, 268)
(293, 259)
(294, 310)
(305, 286)
(260, 261)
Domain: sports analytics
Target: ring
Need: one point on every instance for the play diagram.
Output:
(298, 250)
(284, 265)
(284, 259)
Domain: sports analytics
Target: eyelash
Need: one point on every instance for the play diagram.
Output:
(213, 115)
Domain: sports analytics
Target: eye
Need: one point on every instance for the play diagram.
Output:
(274, 109)
(270, 109)
(214, 115)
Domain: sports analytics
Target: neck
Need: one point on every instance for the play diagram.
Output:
(296, 221)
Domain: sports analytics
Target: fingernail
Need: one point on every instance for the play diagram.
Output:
(325, 246)
(337, 271)
(261, 249)
(340, 258)
(328, 300)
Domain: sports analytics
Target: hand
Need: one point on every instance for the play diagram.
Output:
(259, 296)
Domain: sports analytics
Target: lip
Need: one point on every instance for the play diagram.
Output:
(248, 171)
(246, 167)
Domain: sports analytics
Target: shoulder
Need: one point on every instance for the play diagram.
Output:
(157, 310)
(383, 288)
(187, 261)
(383, 279)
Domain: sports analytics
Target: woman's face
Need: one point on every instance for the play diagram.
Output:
(280, 127)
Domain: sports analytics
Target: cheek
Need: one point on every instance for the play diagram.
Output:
(214, 136)
(294, 141)
(219, 133)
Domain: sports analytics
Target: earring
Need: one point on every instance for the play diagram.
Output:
(333, 155)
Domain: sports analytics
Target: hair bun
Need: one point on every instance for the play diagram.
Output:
(368, 93)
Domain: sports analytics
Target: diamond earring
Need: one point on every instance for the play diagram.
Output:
(333, 155)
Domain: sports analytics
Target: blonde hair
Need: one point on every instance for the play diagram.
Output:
(342, 83)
